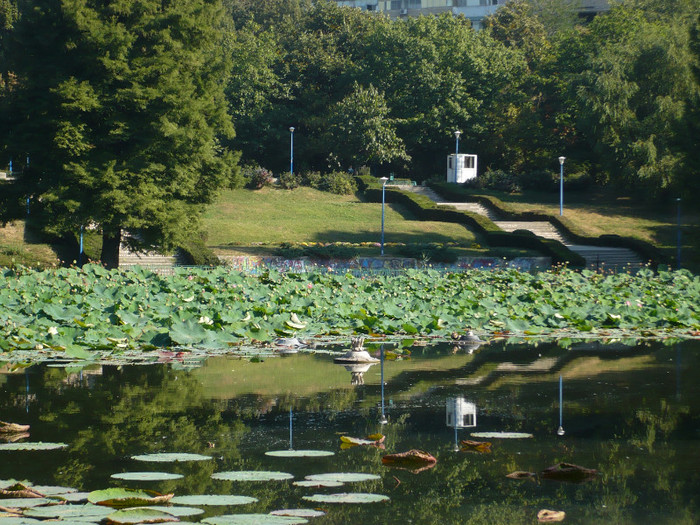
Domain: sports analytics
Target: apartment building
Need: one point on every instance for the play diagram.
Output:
(474, 10)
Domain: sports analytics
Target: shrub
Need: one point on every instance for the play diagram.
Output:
(259, 178)
(289, 181)
(317, 251)
(195, 252)
(312, 179)
(499, 180)
(541, 180)
(339, 183)
(289, 250)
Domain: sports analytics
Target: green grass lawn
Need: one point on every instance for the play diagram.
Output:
(242, 220)
(20, 247)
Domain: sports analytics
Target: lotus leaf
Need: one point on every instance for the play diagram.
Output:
(352, 497)
(179, 511)
(120, 497)
(252, 475)
(171, 457)
(299, 453)
(342, 477)
(501, 435)
(146, 476)
(87, 512)
(32, 446)
(140, 515)
(213, 499)
(253, 519)
(299, 513)
(318, 483)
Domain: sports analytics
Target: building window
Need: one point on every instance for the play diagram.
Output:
(396, 4)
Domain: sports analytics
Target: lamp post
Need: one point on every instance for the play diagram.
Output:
(561, 185)
(457, 134)
(384, 181)
(382, 418)
(291, 150)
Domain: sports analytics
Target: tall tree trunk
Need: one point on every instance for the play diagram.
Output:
(111, 240)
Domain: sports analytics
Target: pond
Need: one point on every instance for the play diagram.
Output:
(629, 410)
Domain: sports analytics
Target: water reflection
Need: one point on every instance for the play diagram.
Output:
(632, 414)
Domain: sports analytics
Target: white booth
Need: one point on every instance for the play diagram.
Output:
(460, 413)
(464, 170)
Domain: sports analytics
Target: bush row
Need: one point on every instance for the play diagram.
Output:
(338, 182)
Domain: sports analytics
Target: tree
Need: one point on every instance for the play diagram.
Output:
(360, 132)
(121, 107)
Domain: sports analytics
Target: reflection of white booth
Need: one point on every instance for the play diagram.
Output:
(460, 413)
(466, 167)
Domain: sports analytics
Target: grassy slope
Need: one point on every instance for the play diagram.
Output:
(599, 213)
(19, 246)
(241, 218)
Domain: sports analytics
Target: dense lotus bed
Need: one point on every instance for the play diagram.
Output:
(77, 312)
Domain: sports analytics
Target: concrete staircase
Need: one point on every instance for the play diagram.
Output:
(153, 261)
(597, 257)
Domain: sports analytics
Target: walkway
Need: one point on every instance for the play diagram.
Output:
(596, 257)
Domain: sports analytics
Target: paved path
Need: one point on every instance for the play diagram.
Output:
(597, 257)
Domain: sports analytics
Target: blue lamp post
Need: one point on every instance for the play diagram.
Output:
(291, 150)
(561, 185)
(384, 181)
(457, 134)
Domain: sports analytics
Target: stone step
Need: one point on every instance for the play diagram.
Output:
(540, 228)
(472, 207)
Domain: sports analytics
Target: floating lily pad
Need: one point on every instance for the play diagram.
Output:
(171, 457)
(24, 503)
(86, 512)
(213, 499)
(140, 515)
(52, 490)
(179, 511)
(343, 477)
(32, 446)
(347, 497)
(73, 497)
(146, 476)
(253, 519)
(19, 521)
(252, 475)
(119, 497)
(299, 513)
(502, 435)
(318, 483)
(299, 453)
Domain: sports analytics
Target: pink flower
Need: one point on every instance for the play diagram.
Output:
(309, 286)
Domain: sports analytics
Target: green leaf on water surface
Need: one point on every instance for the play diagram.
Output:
(19, 521)
(347, 497)
(170, 457)
(252, 475)
(253, 519)
(24, 503)
(299, 453)
(179, 511)
(318, 483)
(502, 435)
(140, 515)
(73, 497)
(213, 499)
(87, 512)
(188, 332)
(298, 513)
(32, 446)
(146, 476)
(343, 477)
(120, 497)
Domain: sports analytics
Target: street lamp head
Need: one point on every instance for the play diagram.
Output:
(384, 180)
(458, 133)
(561, 160)
(291, 129)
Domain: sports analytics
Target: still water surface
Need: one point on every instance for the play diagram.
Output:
(629, 411)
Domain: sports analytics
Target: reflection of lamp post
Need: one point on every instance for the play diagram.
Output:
(290, 429)
(382, 419)
(561, 185)
(80, 254)
(457, 134)
(678, 236)
(291, 150)
(560, 430)
(384, 181)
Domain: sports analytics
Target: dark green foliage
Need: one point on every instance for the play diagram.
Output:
(289, 181)
(122, 111)
(313, 179)
(316, 251)
(338, 182)
(196, 253)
